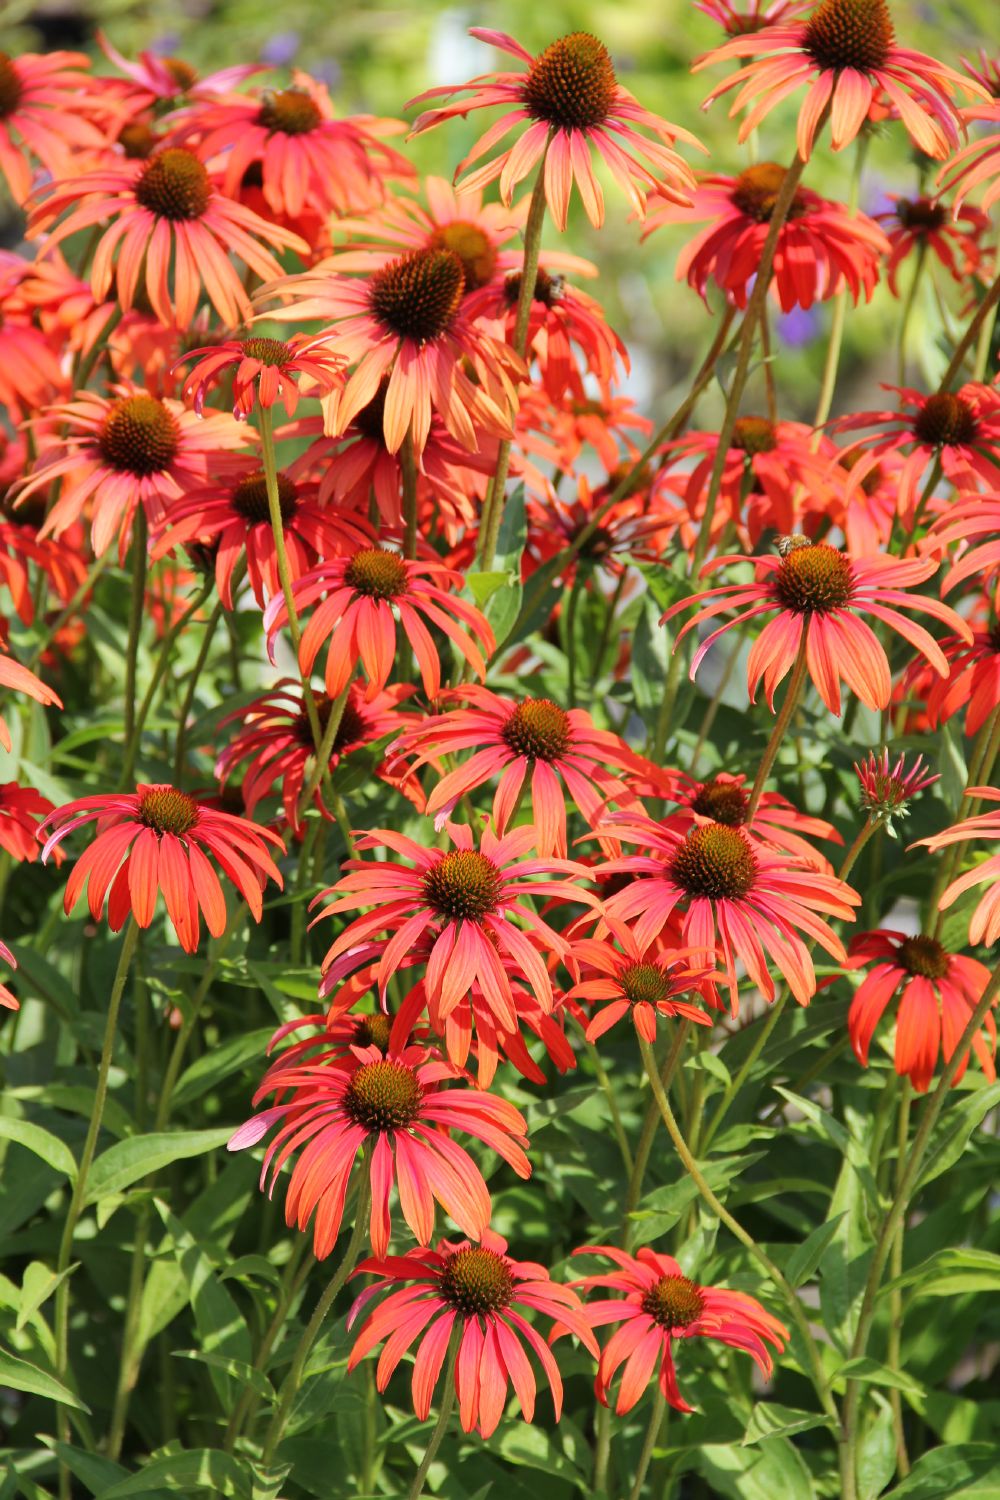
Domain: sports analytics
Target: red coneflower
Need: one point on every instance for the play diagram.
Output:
(965, 521)
(937, 992)
(846, 52)
(737, 898)
(8, 1000)
(21, 679)
(822, 247)
(158, 838)
(985, 924)
(725, 799)
(976, 164)
(170, 225)
(925, 226)
(358, 599)
(30, 372)
(973, 682)
(644, 982)
(154, 80)
(480, 1291)
(660, 1305)
(394, 1103)
(559, 750)
(263, 371)
(572, 98)
(822, 592)
(44, 107)
(21, 808)
(635, 529)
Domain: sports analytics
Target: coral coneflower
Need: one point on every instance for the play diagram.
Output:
(661, 1305)
(936, 991)
(845, 52)
(821, 592)
(30, 373)
(158, 839)
(822, 247)
(965, 521)
(725, 799)
(644, 983)
(926, 226)
(985, 924)
(572, 100)
(973, 682)
(976, 165)
(482, 1294)
(756, 15)
(263, 371)
(153, 79)
(45, 107)
(21, 808)
(396, 1105)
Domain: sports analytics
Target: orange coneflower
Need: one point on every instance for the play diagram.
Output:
(46, 109)
(924, 225)
(263, 371)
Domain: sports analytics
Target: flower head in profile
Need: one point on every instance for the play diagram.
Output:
(158, 839)
(21, 808)
(571, 100)
(264, 371)
(976, 165)
(646, 984)
(820, 593)
(396, 1105)
(153, 79)
(887, 789)
(31, 374)
(483, 1294)
(661, 1305)
(846, 55)
(970, 520)
(935, 993)
(985, 924)
(20, 679)
(974, 680)
(926, 226)
(47, 108)
(753, 16)
(822, 248)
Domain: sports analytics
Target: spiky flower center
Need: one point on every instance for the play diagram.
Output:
(183, 74)
(921, 215)
(814, 579)
(722, 801)
(674, 1302)
(924, 956)
(572, 83)
(477, 1282)
(473, 247)
(716, 862)
(270, 352)
(538, 728)
(383, 1096)
(376, 573)
(137, 140)
(463, 884)
(548, 289)
(946, 421)
(139, 435)
(289, 112)
(754, 435)
(370, 420)
(373, 1031)
(643, 984)
(418, 295)
(350, 731)
(166, 810)
(174, 185)
(850, 34)
(11, 87)
(249, 498)
(755, 192)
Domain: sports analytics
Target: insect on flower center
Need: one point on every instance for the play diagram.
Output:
(463, 884)
(11, 87)
(945, 421)
(538, 728)
(921, 215)
(572, 83)
(477, 1281)
(270, 352)
(715, 862)
(755, 192)
(249, 498)
(137, 140)
(722, 801)
(289, 112)
(473, 247)
(139, 435)
(674, 1302)
(814, 579)
(384, 1096)
(643, 984)
(373, 1031)
(548, 289)
(924, 956)
(417, 296)
(754, 435)
(166, 810)
(376, 573)
(850, 34)
(174, 185)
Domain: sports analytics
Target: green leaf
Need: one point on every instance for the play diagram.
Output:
(951, 1271)
(21, 1375)
(961, 1119)
(222, 1330)
(37, 1286)
(42, 1142)
(877, 1453)
(534, 1448)
(958, 1472)
(219, 1063)
(483, 586)
(201, 1468)
(239, 1369)
(806, 1257)
(768, 1420)
(128, 1161)
(874, 1373)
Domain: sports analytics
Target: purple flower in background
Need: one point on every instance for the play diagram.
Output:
(280, 49)
(799, 327)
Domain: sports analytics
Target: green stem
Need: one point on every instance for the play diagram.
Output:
(981, 763)
(100, 346)
(781, 724)
(971, 334)
(571, 612)
(408, 468)
(908, 306)
(140, 560)
(650, 1124)
(184, 712)
(72, 609)
(163, 660)
(295, 1275)
(765, 346)
(444, 1416)
(896, 1295)
(656, 1417)
(616, 1119)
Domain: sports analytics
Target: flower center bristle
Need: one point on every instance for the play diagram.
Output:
(946, 421)
(924, 956)
(373, 1031)
(548, 289)
(376, 573)
(181, 72)
(417, 296)
(370, 420)
(11, 87)
(722, 801)
(137, 140)
(139, 436)
(463, 885)
(539, 729)
(572, 83)
(477, 1282)
(850, 34)
(166, 810)
(643, 984)
(31, 514)
(350, 731)
(754, 435)
(174, 185)
(717, 862)
(674, 1302)
(383, 1096)
(270, 352)
(755, 192)
(473, 247)
(249, 498)
(289, 112)
(921, 215)
(814, 579)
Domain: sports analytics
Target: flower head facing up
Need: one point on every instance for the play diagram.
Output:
(157, 839)
(887, 791)
(644, 983)
(264, 371)
(482, 1293)
(935, 993)
(570, 98)
(660, 1305)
